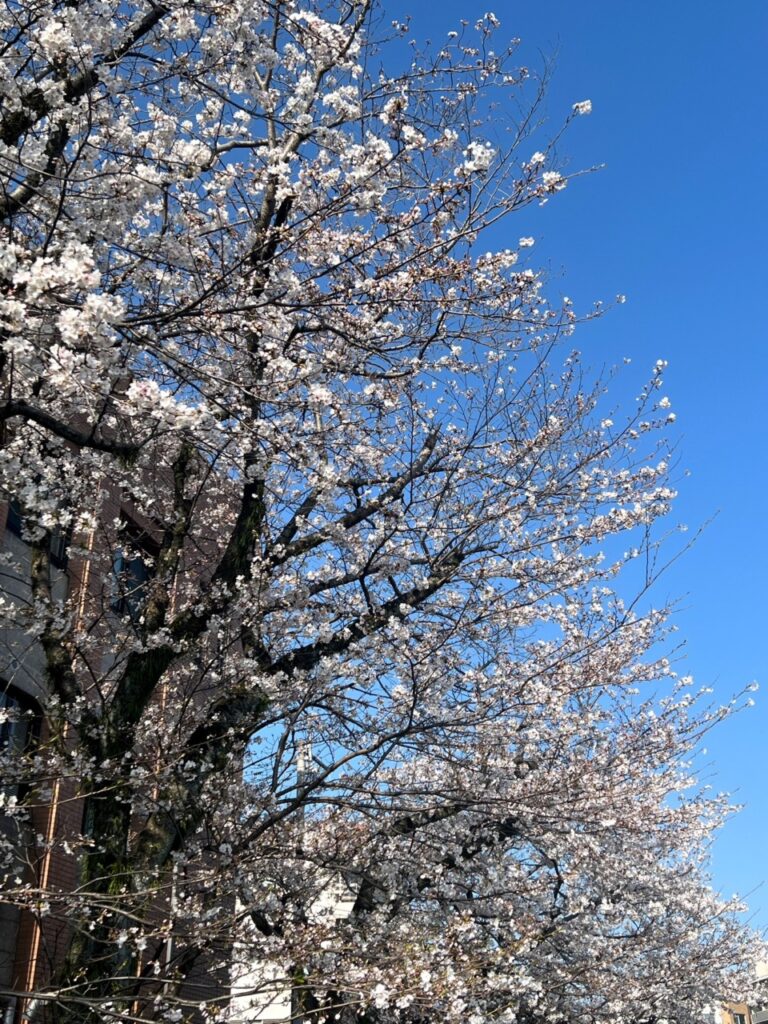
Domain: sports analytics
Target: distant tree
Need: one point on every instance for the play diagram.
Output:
(330, 478)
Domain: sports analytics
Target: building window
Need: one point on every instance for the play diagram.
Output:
(739, 1018)
(58, 539)
(58, 544)
(14, 722)
(132, 569)
(18, 723)
(14, 522)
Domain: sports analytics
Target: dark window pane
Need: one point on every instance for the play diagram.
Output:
(131, 575)
(19, 722)
(14, 523)
(58, 542)
(14, 724)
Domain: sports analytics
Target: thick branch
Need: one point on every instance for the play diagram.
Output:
(79, 438)
(34, 179)
(34, 106)
(58, 659)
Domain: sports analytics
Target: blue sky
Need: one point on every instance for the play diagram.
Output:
(678, 221)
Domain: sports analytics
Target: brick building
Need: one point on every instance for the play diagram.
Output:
(101, 577)
(31, 944)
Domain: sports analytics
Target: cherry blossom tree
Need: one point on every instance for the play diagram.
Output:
(357, 609)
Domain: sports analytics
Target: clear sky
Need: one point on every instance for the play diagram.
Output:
(678, 221)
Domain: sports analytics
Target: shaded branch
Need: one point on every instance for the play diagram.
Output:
(79, 438)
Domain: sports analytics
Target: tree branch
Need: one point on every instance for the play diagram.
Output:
(34, 106)
(79, 438)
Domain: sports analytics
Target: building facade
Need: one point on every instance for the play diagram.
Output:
(30, 943)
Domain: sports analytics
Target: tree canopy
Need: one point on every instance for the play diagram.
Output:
(336, 489)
